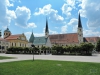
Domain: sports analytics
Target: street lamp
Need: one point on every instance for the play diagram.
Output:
(33, 50)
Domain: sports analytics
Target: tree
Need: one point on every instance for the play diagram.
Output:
(98, 46)
(87, 48)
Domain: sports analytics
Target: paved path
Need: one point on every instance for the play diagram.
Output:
(18, 57)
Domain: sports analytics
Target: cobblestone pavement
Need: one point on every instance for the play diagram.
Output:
(18, 57)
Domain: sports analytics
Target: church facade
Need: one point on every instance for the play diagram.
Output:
(63, 39)
(72, 38)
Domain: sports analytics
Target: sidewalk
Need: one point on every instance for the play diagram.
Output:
(18, 57)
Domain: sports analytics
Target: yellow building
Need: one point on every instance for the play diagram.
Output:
(18, 40)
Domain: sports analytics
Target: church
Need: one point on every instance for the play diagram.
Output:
(41, 41)
(72, 38)
(63, 39)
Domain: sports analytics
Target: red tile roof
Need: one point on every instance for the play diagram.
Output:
(64, 38)
(1, 39)
(91, 39)
(13, 37)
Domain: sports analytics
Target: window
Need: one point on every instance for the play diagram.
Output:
(12, 44)
(15, 44)
(20, 44)
(25, 45)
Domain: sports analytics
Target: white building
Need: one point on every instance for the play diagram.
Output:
(4, 44)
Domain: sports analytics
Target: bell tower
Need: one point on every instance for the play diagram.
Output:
(6, 33)
(46, 29)
(80, 30)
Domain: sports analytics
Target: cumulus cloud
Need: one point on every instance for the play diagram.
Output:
(22, 16)
(52, 32)
(68, 6)
(74, 23)
(31, 25)
(5, 16)
(66, 10)
(47, 10)
(88, 33)
(64, 29)
(90, 9)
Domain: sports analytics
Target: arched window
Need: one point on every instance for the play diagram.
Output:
(15, 44)
(12, 44)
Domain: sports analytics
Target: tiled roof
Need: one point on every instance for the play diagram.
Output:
(91, 39)
(13, 37)
(40, 40)
(64, 38)
(1, 39)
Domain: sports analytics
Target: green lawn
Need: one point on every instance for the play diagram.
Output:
(4, 57)
(48, 67)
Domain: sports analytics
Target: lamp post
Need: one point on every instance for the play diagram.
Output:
(33, 50)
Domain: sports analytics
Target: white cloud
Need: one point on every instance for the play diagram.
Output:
(64, 29)
(5, 16)
(66, 10)
(88, 33)
(68, 6)
(90, 9)
(22, 16)
(70, 2)
(74, 23)
(31, 25)
(53, 14)
(52, 32)
(8, 3)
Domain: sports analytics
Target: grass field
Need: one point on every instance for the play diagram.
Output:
(4, 57)
(48, 67)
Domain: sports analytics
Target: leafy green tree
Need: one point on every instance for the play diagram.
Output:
(87, 48)
(98, 46)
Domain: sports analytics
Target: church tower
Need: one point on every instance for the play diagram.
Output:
(80, 30)
(46, 29)
(6, 33)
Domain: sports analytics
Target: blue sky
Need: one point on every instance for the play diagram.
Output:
(23, 16)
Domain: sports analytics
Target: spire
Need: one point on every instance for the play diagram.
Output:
(31, 40)
(79, 22)
(46, 29)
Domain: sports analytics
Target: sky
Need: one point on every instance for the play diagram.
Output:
(25, 16)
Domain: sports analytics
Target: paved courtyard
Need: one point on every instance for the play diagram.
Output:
(18, 57)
